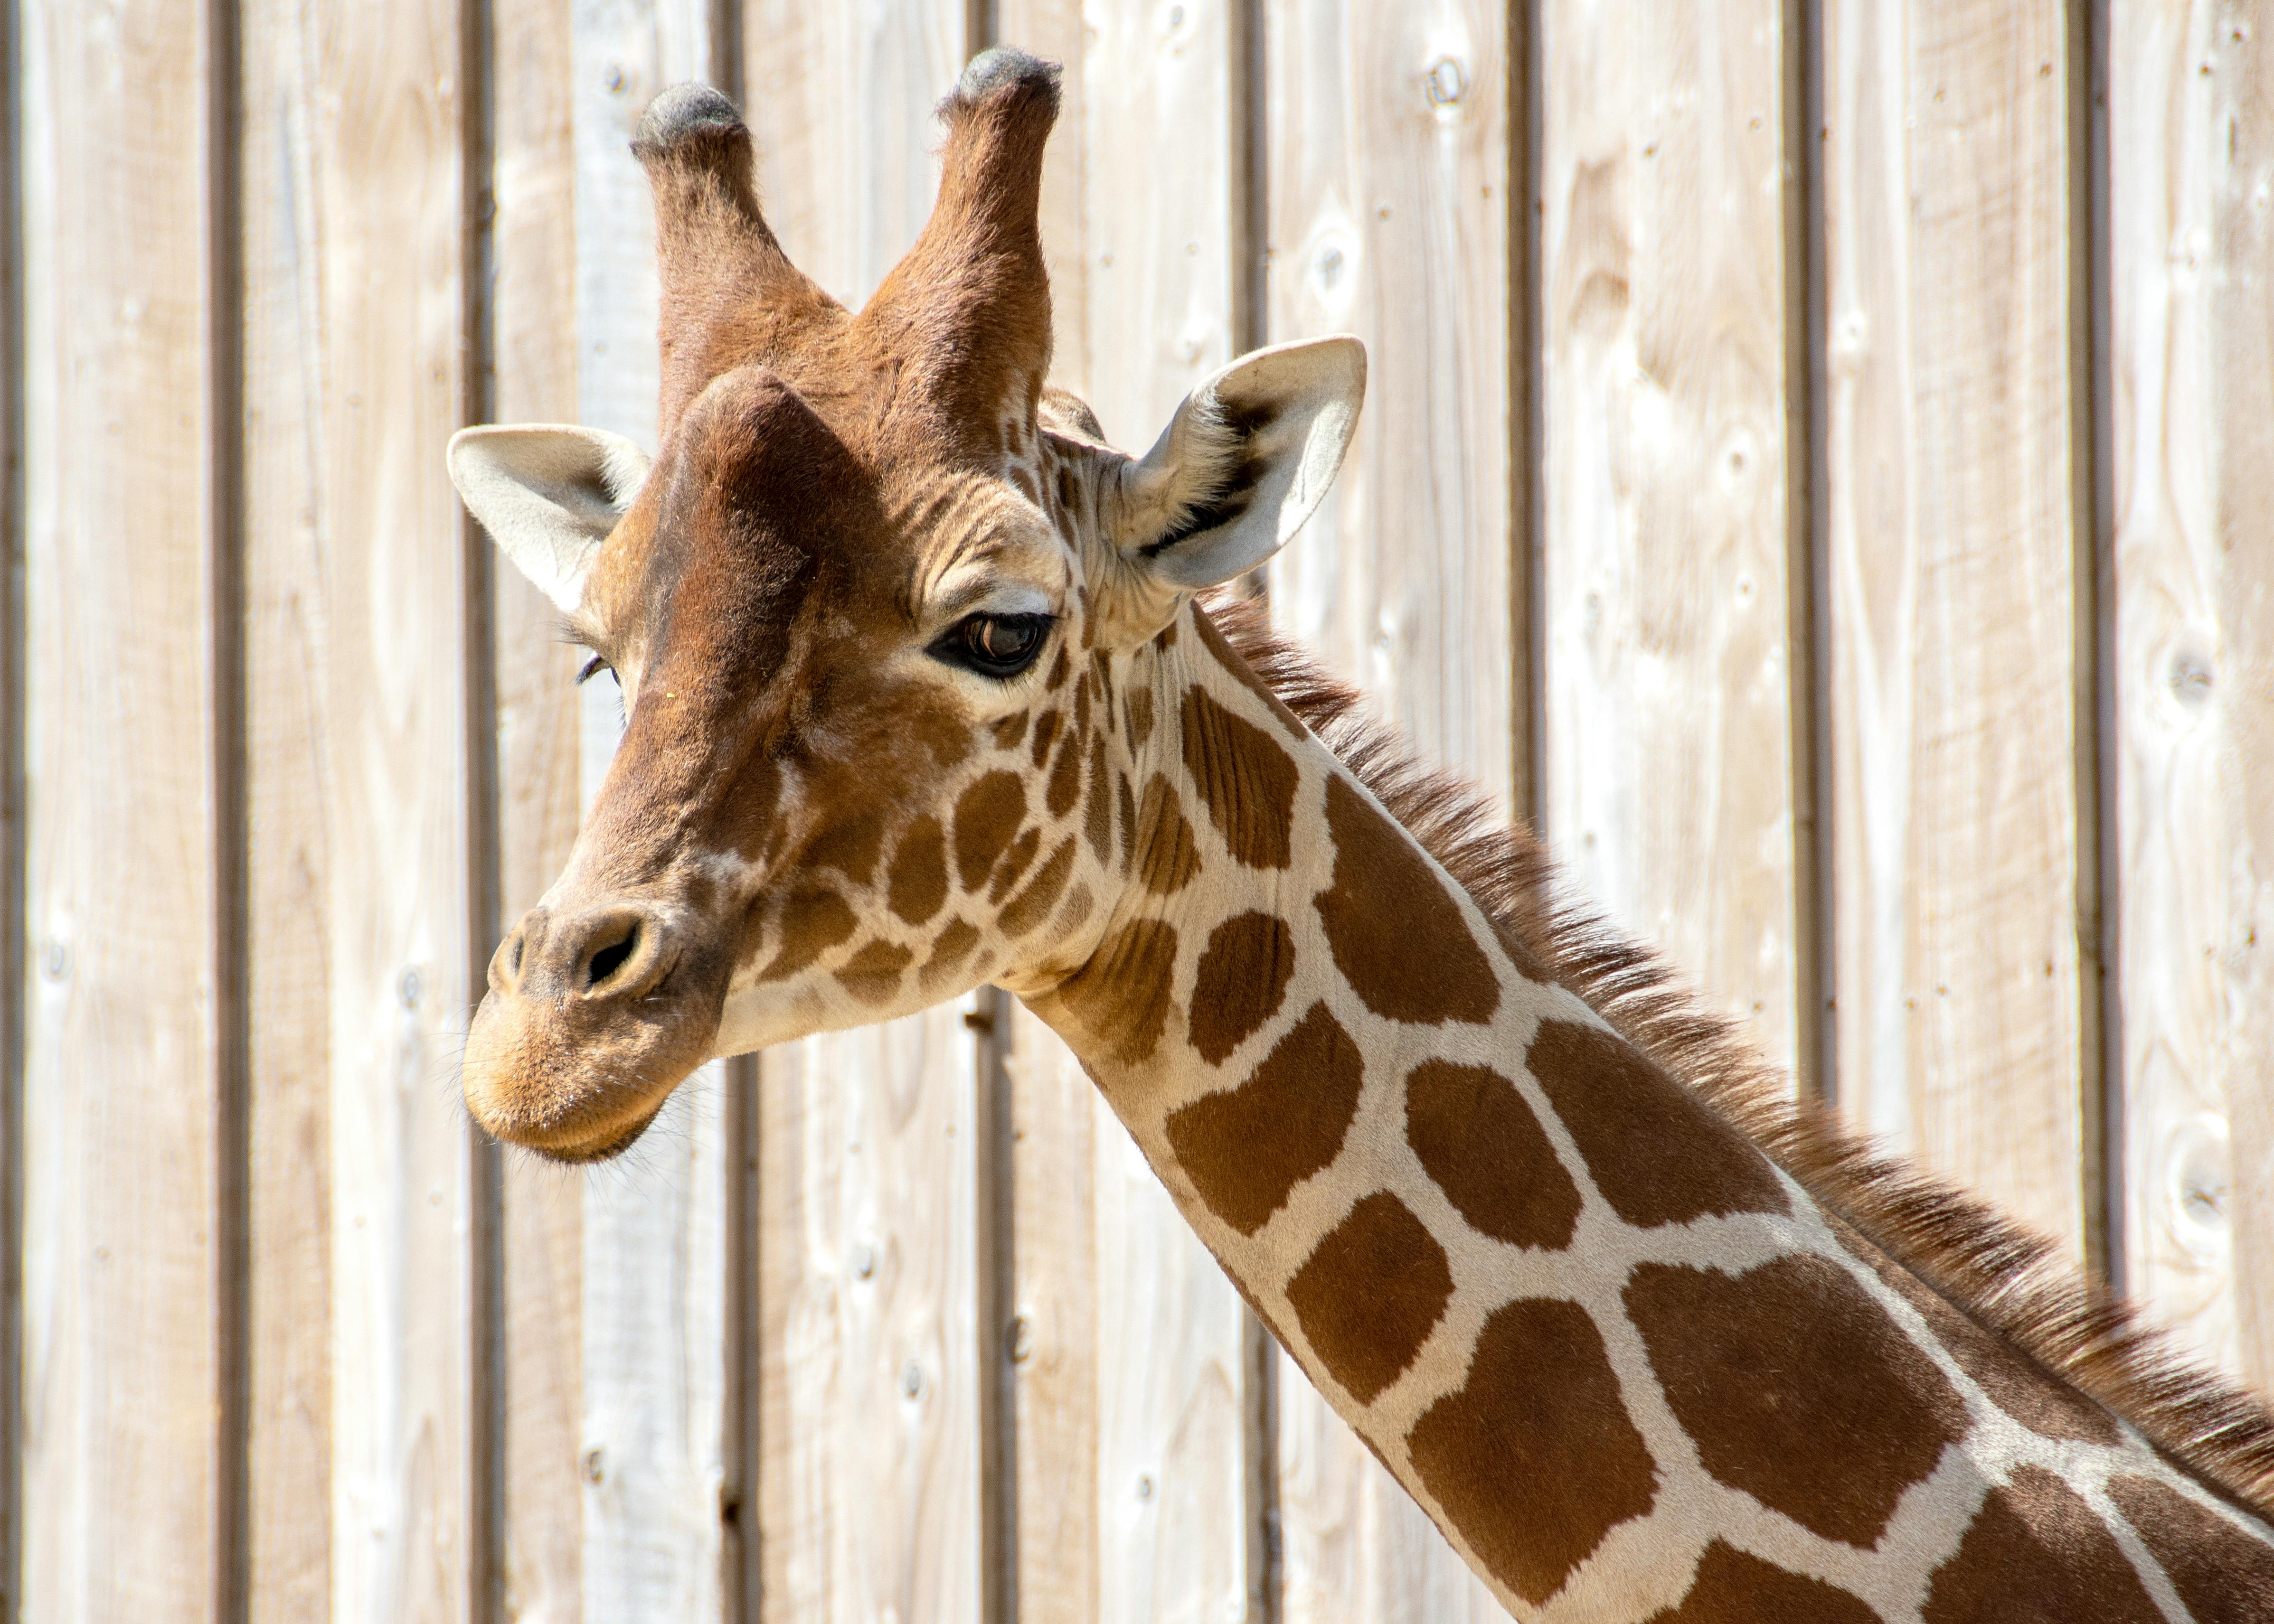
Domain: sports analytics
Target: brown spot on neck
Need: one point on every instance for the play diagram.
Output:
(1027, 910)
(1541, 1408)
(2224, 1574)
(1166, 857)
(1247, 780)
(1121, 996)
(1486, 1150)
(1066, 777)
(2036, 1553)
(1732, 1587)
(1656, 1151)
(1797, 1388)
(1370, 1293)
(1246, 1150)
(1242, 977)
(2013, 1381)
(1397, 934)
(1097, 814)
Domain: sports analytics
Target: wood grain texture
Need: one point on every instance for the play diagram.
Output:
(120, 1376)
(289, 1027)
(533, 316)
(1953, 550)
(653, 1232)
(2191, 141)
(867, 1484)
(1387, 131)
(362, 301)
(1056, 1358)
(2244, 340)
(1669, 770)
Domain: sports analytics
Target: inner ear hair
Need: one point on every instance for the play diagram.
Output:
(1223, 465)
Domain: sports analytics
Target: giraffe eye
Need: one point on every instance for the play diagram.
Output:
(995, 645)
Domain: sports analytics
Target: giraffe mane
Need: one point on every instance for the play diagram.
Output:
(2008, 1279)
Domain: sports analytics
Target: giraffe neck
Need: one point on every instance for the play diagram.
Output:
(1627, 1363)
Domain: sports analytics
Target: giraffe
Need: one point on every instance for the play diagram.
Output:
(926, 687)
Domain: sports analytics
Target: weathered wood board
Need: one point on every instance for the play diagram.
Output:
(1961, 893)
(2191, 136)
(357, 306)
(123, 1468)
(1668, 657)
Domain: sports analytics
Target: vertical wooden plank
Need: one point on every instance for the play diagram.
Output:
(13, 957)
(867, 1484)
(1388, 141)
(355, 574)
(1669, 771)
(534, 320)
(121, 1385)
(290, 972)
(654, 1237)
(1955, 683)
(2192, 148)
(2243, 339)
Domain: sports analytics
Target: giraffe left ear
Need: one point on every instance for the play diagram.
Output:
(1248, 457)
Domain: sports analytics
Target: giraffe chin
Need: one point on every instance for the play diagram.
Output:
(574, 1086)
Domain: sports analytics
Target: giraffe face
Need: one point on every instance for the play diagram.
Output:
(871, 608)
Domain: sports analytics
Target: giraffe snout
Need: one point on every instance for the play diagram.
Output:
(594, 1015)
(608, 954)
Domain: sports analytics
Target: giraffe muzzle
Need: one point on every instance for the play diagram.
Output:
(593, 1016)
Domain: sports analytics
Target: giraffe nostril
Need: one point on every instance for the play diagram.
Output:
(519, 945)
(608, 959)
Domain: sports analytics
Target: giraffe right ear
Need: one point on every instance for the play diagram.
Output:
(549, 495)
(1246, 459)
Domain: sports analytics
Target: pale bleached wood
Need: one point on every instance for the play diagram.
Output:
(355, 571)
(1053, 1342)
(1388, 135)
(868, 1484)
(120, 1466)
(2191, 123)
(374, 108)
(654, 1342)
(288, 1373)
(533, 321)
(868, 1493)
(2244, 75)
(1952, 554)
(1669, 770)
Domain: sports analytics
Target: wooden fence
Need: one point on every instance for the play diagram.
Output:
(1819, 462)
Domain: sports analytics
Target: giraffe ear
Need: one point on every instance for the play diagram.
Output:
(1248, 457)
(549, 495)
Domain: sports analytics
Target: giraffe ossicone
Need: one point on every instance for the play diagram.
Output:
(921, 696)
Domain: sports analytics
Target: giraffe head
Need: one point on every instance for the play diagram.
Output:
(865, 606)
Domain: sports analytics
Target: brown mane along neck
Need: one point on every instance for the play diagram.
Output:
(2009, 1281)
